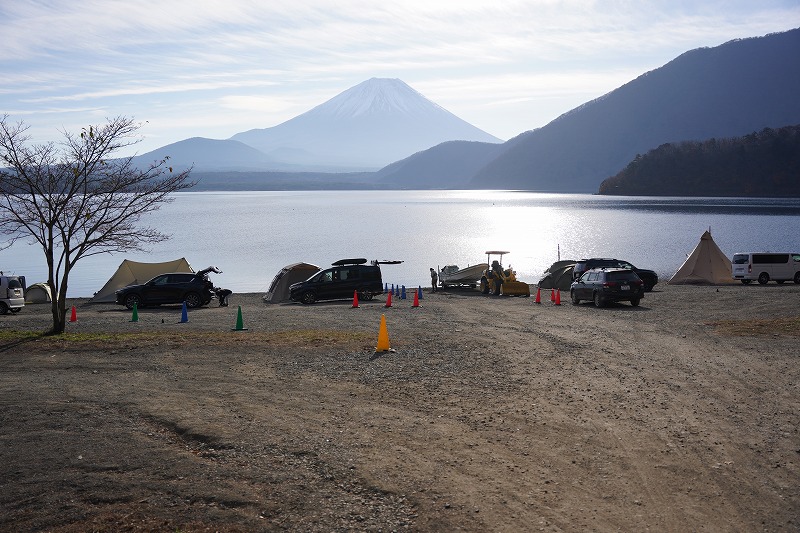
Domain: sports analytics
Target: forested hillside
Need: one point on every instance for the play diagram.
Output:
(726, 91)
(765, 163)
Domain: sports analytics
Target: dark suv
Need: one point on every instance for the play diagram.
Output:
(346, 277)
(173, 288)
(603, 285)
(649, 277)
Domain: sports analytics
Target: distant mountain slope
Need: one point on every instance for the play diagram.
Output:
(208, 154)
(441, 167)
(766, 164)
(367, 126)
(730, 90)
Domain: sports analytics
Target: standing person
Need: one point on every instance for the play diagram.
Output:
(434, 279)
(497, 270)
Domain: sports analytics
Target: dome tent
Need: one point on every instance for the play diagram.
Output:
(294, 273)
(558, 276)
(38, 293)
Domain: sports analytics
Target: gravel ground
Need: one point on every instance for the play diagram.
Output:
(488, 414)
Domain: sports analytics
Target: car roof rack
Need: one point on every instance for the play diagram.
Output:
(355, 261)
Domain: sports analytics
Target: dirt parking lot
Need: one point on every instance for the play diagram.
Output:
(490, 414)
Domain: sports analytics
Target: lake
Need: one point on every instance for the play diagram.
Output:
(250, 236)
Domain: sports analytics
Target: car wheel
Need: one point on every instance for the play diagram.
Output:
(365, 295)
(763, 278)
(598, 301)
(574, 298)
(747, 281)
(131, 300)
(648, 287)
(308, 298)
(3, 308)
(193, 300)
(635, 302)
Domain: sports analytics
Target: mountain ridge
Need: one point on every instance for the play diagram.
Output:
(703, 93)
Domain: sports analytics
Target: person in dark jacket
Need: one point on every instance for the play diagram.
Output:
(497, 271)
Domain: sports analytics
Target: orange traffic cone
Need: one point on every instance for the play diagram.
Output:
(355, 299)
(74, 317)
(538, 299)
(558, 296)
(383, 337)
(416, 299)
(552, 295)
(389, 300)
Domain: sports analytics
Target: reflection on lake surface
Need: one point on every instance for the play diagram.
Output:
(251, 235)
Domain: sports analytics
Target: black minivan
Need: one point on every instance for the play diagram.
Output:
(345, 278)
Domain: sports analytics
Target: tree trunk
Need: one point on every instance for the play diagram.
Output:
(58, 306)
(58, 310)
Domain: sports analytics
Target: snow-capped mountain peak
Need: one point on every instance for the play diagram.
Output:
(377, 96)
(370, 125)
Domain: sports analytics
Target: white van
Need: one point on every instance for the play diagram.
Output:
(12, 293)
(766, 266)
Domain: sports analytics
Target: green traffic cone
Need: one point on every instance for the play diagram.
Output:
(135, 317)
(239, 322)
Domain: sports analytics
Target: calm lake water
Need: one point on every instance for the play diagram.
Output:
(250, 236)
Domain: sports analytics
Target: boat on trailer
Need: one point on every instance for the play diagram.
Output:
(452, 276)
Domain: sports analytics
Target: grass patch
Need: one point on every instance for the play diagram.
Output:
(784, 327)
(112, 341)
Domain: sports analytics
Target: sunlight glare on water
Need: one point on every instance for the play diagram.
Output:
(252, 235)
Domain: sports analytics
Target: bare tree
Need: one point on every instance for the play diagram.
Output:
(74, 200)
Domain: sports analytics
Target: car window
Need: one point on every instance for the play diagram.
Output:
(348, 273)
(591, 276)
(326, 277)
(161, 280)
(621, 276)
(14, 284)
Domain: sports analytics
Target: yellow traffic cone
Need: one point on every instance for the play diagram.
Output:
(383, 337)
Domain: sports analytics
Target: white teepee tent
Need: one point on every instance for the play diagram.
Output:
(706, 265)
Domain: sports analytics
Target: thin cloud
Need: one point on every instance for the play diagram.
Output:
(263, 63)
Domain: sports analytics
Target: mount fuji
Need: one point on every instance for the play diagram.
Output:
(368, 126)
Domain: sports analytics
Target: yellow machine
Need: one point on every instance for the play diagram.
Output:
(509, 286)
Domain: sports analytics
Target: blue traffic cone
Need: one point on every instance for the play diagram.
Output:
(184, 314)
(403, 293)
(397, 290)
(419, 292)
(385, 288)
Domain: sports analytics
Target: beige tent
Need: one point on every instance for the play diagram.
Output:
(133, 272)
(706, 265)
(38, 293)
(294, 273)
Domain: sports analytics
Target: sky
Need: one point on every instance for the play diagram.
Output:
(194, 68)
